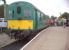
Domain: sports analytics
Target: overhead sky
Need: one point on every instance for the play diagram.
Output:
(49, 7)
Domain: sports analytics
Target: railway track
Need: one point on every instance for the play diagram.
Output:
(17, 45)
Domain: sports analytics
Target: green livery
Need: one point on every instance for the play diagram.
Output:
(25, 11)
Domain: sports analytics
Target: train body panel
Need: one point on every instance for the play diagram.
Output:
(41, 19)
(18, 11)
(20, 24)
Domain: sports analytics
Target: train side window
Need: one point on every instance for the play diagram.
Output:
(18, 10)
(38, 14)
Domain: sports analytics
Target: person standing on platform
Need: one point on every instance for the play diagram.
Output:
(55, 22)
(67, 22)
(64, 22)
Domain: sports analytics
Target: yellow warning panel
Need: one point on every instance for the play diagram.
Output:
(20, 24)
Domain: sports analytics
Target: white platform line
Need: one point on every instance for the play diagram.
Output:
(30, 41)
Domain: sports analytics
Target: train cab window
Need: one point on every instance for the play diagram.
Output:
(27, 12)
(10, 14)
(18, 10)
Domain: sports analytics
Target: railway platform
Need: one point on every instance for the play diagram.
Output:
(5, 40)
(52, 38)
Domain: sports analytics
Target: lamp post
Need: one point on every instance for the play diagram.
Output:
(4, 10)
(4, 7)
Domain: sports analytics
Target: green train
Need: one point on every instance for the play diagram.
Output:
(23, 19)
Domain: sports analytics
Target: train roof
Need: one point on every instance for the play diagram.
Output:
(29, 4)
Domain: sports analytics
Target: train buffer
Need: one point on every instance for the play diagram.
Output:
(52, 38)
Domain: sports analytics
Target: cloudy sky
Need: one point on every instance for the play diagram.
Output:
(49, 7)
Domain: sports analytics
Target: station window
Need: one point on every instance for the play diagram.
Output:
(0, 20)
(18, 10)
(26, 12)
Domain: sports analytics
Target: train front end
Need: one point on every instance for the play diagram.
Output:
(20, 19)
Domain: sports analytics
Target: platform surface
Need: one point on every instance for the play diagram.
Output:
(5, 40)
(52, 38)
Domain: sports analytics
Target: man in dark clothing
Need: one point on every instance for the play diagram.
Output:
(67, 22)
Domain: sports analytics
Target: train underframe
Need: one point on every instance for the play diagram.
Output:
(21, 34)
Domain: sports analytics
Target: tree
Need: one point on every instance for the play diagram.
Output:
(53, 17)
(64, 15)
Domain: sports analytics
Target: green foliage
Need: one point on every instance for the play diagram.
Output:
(65, 15)
(53, 17)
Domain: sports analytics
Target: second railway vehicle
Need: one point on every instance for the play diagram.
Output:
(23, 18)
